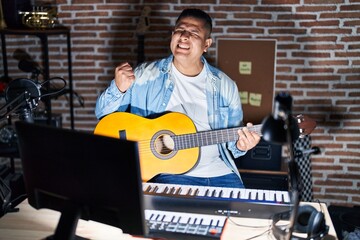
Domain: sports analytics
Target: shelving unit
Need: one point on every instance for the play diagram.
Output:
(43, 35)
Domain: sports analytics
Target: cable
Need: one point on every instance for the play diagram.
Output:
(259, 235)
(247, 226)
(268, 230)
(56, 92)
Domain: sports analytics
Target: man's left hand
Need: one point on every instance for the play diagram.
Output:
(247, 139)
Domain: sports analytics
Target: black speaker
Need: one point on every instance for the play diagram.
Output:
(11, 10)
(56, 120)
(308, 221)
(264, 156)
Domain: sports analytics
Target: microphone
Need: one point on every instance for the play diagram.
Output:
(283, 105)
(29, 66)
(302, 153)
(280, 125)
(22, 96)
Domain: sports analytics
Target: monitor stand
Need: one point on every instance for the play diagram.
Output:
(67, 224)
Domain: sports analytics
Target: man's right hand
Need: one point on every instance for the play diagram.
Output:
(124, 76)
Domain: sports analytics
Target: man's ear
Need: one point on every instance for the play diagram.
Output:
(208, 43)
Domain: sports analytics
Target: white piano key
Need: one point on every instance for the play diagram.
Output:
(206, 220)
(201, 191)
(286, 197)
(214, 222)
(251, 194)
(271, 195)
(184, 219)
(175, 218)
(185, 190)
(167, 218)
(154, 216)
(212, 191)
(266, 195)
(226, 192)
(148, 215)
(244, 194)
(235, 193)
(260, 195)
(279, 196)
(146, 186)
(197, 220)
(159, 189)
(222, 222)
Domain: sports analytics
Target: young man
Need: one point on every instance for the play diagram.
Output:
(184, 82)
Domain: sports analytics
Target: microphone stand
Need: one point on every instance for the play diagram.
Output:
(293, 171)
(281, 128)
(26, 115)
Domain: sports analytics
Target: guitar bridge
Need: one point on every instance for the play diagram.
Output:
(122, 134)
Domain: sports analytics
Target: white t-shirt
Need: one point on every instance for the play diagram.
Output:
(189, 97)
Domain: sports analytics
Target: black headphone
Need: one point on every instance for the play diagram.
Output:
(308, 220)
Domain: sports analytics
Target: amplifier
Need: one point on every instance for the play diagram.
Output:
(278, 182)
(264, 156)
(56, 120)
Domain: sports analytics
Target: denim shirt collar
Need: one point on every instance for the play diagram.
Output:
(165, 66)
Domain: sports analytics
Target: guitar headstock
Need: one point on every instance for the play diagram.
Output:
(144, 23)
(306, 124)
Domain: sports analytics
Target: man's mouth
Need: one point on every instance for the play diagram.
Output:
(183, 46)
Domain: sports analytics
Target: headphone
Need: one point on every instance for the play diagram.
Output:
(308, 220)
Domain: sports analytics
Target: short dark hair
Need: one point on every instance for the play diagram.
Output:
(199, 14)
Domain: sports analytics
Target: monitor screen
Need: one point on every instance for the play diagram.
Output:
(82, 175)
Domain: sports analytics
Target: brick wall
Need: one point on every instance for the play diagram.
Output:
(318, 62)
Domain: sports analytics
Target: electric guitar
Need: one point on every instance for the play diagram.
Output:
(169, 143)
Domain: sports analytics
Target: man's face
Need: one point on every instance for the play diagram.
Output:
(189, 39)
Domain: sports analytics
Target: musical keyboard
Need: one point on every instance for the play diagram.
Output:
(216, 200)
(180, 225)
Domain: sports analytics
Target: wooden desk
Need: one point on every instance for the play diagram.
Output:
(32, 224)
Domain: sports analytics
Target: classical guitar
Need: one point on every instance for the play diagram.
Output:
(167, 144)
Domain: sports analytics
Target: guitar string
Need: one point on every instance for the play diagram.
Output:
(191, 140)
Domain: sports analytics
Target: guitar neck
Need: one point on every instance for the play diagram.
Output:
(210, 137)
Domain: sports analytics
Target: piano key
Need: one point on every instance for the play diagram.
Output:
(217, 192)
(184, 190)
(251, 194)
(206, 220)
(279, 196)
(286, 198)
(216, 200)
(167, 217)
(226, 193)
(201, 191)
(260, 195)
(243, 194)
(271, 195)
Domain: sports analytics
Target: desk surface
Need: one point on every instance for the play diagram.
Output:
(32, 224)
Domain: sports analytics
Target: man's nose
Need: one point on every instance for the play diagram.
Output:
(185, 33)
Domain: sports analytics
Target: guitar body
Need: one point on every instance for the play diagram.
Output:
(156, 148)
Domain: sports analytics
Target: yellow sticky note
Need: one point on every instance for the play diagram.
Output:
(255, 99)
(244, 97)
(245, 67)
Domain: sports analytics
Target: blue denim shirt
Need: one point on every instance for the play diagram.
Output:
(151, 91)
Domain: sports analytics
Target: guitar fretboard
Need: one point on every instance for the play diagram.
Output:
(210, 137)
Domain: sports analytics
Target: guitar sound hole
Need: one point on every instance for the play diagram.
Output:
(164, 144)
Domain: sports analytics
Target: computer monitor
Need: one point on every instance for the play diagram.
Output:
(82, 175)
